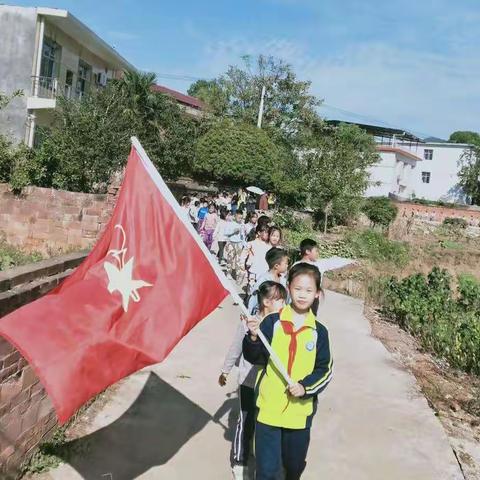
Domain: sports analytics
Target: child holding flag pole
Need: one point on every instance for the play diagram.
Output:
(287, 403)
(271, 298)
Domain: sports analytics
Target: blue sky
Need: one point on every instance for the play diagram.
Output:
(409, 63)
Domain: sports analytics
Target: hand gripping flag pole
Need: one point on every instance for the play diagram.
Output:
(219, 272)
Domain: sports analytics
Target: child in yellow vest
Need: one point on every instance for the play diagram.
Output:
(271, 299)
(282, 430)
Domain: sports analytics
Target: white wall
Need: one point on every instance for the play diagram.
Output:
(443, 170)
(17, 48)
(383, 172)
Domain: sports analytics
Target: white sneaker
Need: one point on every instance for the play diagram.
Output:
(239, 472)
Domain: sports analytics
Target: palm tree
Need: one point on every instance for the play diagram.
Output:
(140, 101)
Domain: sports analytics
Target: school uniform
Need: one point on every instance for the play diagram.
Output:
(241, 445)
(282, 431)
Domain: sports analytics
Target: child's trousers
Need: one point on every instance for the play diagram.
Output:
(277, 447)
(245, 427)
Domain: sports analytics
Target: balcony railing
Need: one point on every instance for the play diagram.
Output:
(50, 87)
(411, 147)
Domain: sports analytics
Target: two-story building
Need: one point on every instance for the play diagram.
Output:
(47, 52)
(411, 167)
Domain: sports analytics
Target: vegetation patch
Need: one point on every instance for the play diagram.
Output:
(376, 247)
(446, 322)
(11, 256)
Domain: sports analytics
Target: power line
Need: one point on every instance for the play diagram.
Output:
(366, 118)
(174, 76)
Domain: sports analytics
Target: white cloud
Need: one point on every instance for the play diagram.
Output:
(433, 93)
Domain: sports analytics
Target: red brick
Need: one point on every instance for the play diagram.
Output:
(13, 429)
(11, 359)
(5, 348)
(9, 390)
(28, 377)
(45, 409)
(7, 372)
(30, 417)
(6, 453)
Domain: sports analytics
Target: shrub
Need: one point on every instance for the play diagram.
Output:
(377, 248)
(446, 324)
(456, 222)
(380, 210)
(11, 256)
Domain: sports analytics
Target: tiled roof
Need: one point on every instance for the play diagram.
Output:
(180, 97)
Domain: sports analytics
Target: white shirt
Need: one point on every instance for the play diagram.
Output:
(219, 233)
(257, 249)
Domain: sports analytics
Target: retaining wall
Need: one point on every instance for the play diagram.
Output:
(26, 414)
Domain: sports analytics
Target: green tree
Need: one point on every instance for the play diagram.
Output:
(90, 139)
(240, 153)
(380, 210)
(288, 102)
(335, 169)
(212, 95)
(469, 174)
(473, 138)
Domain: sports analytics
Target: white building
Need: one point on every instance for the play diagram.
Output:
(426, 170)
(413, 168)
(48, 52)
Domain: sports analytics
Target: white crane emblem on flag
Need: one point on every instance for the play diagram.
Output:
(120, 277)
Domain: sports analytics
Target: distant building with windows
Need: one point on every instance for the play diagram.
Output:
(48, 52)
(412, 167)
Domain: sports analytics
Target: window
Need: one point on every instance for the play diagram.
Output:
(50, 59)
(84, 78)
(426, 177)
(428, 154)
(49, 68)
(68, 84)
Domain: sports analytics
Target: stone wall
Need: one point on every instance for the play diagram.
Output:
(53, 221)
(26, 413)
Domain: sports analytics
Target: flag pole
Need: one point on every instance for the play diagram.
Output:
(172, 201)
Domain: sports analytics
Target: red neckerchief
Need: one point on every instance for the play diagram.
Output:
(292, 347)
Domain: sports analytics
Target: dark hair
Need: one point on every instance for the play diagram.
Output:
(223, 213)
(303, 268)
(197, 203)
(270, 290)
(263, 220)
(249, 216)
(261, 228)
(273, 228)
(274, 256)
(307, 244)
(239, 212)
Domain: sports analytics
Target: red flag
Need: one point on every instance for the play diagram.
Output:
(147, 282)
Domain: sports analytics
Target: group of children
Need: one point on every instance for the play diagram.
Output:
(240, 240)
(276, 416)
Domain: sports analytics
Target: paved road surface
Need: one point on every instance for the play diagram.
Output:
(174, 422)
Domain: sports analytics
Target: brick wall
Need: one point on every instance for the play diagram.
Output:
(436, 213)
(51, 220)
(26, 413)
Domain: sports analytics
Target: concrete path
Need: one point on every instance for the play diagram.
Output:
(174, 422)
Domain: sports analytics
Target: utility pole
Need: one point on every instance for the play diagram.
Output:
(260, 110)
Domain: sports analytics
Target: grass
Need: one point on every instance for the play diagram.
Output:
(374, 246)
(11, 256)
